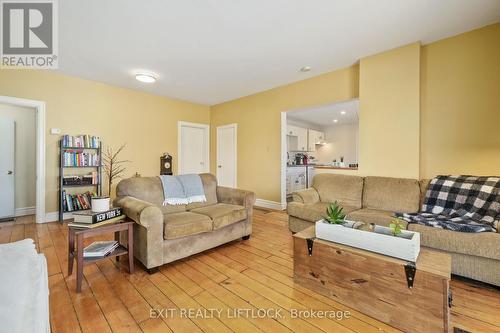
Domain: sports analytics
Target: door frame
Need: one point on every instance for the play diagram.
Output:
(235, 150)
(39, 107)
(206, 128)
(283, 160)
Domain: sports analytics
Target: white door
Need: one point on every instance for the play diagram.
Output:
(226, 155)
(7, 142)
(194, 148)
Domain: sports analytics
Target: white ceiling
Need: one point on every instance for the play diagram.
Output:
(324, 115)
(212, 51)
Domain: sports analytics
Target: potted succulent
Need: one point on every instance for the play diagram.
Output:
(393, 241)
(335, 213)
(396, 227)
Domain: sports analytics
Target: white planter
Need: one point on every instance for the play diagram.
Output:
(405, 246)
(100, 204)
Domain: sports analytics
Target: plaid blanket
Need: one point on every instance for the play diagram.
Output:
(460, 203)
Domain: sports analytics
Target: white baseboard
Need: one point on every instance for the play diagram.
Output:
(269, 204)
(54, 216)
(25, 211)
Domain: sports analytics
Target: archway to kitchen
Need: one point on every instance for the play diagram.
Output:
(319, 139)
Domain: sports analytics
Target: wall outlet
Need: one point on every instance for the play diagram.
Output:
(55, 131)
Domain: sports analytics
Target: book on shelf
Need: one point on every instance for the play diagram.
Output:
(88, 179)
(73, 158)
(88, 216)
(80, 141)
(98, 224)
(73, 202)
(100, 249)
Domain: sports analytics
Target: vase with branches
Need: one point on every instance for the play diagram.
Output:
(114, 167)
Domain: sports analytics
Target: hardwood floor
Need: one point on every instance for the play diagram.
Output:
(253, 274)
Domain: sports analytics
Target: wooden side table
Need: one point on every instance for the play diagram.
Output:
(81, 234)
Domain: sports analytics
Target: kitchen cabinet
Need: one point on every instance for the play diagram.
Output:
(298, 178)
(314, 137)
(292, 130)
(302, 139)
(295, 179)
(300, 144)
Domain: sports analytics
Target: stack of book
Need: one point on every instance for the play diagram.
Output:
(79, 158)
(74, 202)
(88, 219)
(80, 141)
(100, 249)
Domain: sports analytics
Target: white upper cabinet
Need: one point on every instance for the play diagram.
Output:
(299, 138)
(303, 139)
(292, 130)
(315, 137)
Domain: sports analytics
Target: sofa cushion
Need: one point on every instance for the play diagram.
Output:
(223, 214)
(481, 244)
(391, 194)
(312, 212)
(183, 224)
(210, 186)
(377, 216)
(347, 190)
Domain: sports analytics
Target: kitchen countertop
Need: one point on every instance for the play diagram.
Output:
(322, 166)
(335, 167)
(300, 165)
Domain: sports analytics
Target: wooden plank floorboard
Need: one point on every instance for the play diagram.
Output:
(157, 300)
(62, 313)
(252, 274)
(184, 301)
(201, 274)
(117, 315)
(5, 232)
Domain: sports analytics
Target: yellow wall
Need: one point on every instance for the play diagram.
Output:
(389, 92)
(425, 110)
(146, 122)
(259, 121)
(460, 104)
(389, 98)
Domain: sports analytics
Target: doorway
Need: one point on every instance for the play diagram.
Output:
(227, 155)
(23, 180)
(17, 165)
(7, 164)
(318, 139)
(193, 147)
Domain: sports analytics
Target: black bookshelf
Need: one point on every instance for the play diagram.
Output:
(62, 167)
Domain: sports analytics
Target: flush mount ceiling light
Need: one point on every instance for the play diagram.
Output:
(335, 120)
(146, 77)
(342, 112)
(305, 69)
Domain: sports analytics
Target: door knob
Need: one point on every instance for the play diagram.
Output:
(219, 166)
(9, 172)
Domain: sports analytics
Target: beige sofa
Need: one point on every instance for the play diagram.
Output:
(163, 234)
(375, 199)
